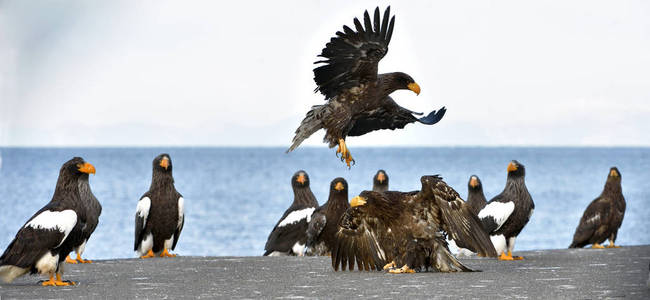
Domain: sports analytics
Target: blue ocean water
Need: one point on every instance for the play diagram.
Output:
(234, 196)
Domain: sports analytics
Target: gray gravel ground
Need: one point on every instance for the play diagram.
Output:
(547, 274)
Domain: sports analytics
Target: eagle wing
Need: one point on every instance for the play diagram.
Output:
(391, 116)
(457, 219)
(141, 216)
(181, 220)
(595, 216)
(365, 233)
(351, 57)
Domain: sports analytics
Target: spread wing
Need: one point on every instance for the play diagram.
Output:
(351, 57)
(458, 220)
(141, 216)
(391, 116)
(365, 233)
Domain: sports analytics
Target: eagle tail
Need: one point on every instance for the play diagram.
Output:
(310, 124)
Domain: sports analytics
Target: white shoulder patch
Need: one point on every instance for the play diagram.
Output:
(62, 221)
(297, 215)
(143, 209)
(499, 211)
(181, 211)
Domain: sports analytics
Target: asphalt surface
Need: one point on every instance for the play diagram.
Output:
(547, 274)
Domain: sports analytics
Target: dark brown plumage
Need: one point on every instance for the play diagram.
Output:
(289, 235)
(93, 211)
(321, 233)
(475, 197)
(160, 214)
(380, 181)
(407, 229)
(42, 244)
(358, 97)
(505, 216)
(603, 217)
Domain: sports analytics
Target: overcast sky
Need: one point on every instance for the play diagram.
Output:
(236, 73)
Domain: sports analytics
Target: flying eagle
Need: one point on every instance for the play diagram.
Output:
(408, 230)
(357, 96)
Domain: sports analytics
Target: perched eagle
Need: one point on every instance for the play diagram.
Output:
(93, 211)
(392, 229)
(321, 233)
(380, 181)
(475, 197)
(357, 97)
(289, 236)
(43, 243)
(505, 216)
(603, 217)
(160, 214)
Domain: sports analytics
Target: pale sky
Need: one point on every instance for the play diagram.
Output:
(239, 73)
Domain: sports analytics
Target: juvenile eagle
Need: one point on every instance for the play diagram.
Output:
(408, 230)
(357, 97)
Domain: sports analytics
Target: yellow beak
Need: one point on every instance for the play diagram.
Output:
(414, 87)
(339, 186)
(512, 167)
(87, 168)
(164, 163)
(473, 182)
(357, 201)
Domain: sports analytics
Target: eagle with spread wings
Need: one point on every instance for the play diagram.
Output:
(406, 232)
(357, 96)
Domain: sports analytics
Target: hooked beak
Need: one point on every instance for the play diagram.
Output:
(164, 163)
(512, 167)
(301, 178)
(414, 87)
(339, 186)
(473, 182)
(357, 201)
(613, 173)
(381, 177)
(87, 168)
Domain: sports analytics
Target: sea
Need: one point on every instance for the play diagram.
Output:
(234, 196)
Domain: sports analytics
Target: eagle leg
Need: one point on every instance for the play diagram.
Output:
(390, 265)
(345, 153)
(402, 270)
(611, 245)
(165, 253)
(148, 255)
(597, 246)
(81, 260)
(70, 260)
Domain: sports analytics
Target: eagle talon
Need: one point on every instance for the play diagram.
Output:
(148, 255)
(402, 270)
(83, 261)
(597, 246)
(612, 246)
(166, 253)
(70, 260)
(390, 265)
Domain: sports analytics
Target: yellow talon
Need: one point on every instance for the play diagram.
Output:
(612, 246)
(165, 253)
(404, 269)
(83, 261)
(70, 260)
(345, 153)
(509, 256)
(57, 281)
(597, 246)
(390, 265)
(148, 255)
